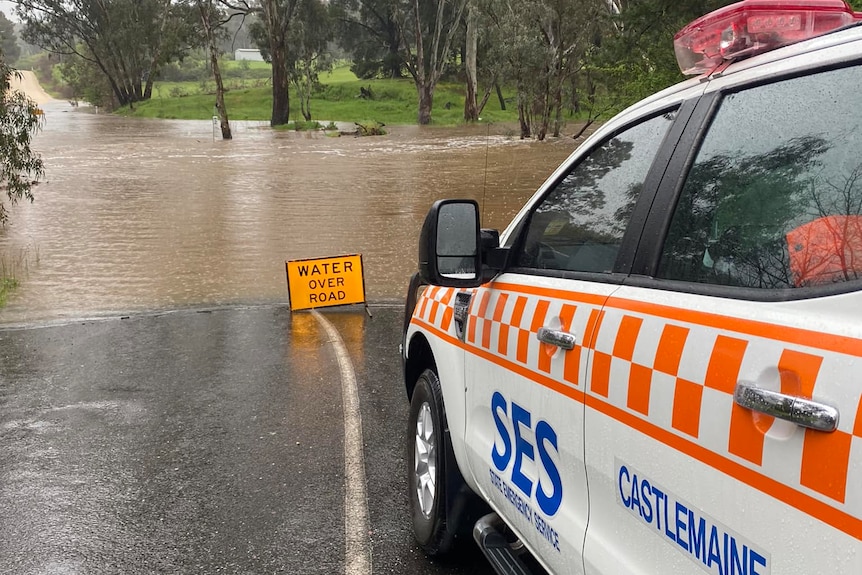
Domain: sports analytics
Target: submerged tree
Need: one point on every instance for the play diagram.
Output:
(210, 21)
(20, 119)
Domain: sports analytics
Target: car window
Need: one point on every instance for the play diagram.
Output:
(774, 197)
(580, 223)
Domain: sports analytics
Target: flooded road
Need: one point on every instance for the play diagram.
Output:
(156, 214)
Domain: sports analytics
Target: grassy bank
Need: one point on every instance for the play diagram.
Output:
(339, 99)
(13, 266)
(7, 286)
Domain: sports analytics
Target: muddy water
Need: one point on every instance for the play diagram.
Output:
(139, 215)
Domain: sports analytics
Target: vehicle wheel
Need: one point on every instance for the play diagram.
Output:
(426, 473)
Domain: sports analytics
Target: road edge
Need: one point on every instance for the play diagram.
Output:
(357, 549)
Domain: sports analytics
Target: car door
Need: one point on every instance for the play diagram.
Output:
(525, 364)
(723, 420)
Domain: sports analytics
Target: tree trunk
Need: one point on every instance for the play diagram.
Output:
(542, 108)
(500, 96)
(558, 114)
(393, 59)
(540, 111)
(309, 76)
(426, 103)
(276, 30)
(220, 107)
(485, 99)
(427, 68)
(523, 119)
(118, 93)
(280, 88)
(304, 88)
(154, 61)
(222, 110)
(471, 110)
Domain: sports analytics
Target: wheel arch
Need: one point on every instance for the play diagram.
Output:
(420, 357)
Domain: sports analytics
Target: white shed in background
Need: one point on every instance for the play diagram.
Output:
(248, 54)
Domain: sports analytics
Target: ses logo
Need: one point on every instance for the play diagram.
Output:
(548, 487)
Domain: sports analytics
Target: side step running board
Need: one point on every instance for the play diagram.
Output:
(497, 550)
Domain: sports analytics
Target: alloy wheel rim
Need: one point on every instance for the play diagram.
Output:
(425, 460)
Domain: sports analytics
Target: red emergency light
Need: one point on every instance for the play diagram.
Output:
(754, 26)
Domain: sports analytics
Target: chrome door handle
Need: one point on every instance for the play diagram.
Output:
(561, 339)
(798, 410)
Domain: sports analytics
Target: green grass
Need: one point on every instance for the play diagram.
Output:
(7, 286)
(12, 266)
(394, 102)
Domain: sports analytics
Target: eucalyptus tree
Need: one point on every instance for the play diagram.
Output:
(20, 167)
(471, 47)
(427, 31)
(483, 62)
(516, 47)
(211, 22)
(86, 81)
(270, 30)
(292, 35)
(308, 43)
(566, 32)
(388, 36)
(275, 17)
(127, 40)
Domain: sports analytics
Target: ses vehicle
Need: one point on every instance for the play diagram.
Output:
(657, 367)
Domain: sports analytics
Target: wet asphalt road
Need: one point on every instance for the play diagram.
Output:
(200, 441)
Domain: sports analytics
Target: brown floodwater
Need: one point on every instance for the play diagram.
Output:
(137, 215)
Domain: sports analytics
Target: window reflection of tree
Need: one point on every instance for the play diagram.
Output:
(733, 214)
(580, 194)
(828, 247)
(571, 215)
(580, 224)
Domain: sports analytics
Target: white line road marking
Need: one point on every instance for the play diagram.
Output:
(357, 551)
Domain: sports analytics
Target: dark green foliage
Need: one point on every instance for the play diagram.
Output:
(127, 40)
(9, 40)
(20, 167)
(368, 30)
(632, 55)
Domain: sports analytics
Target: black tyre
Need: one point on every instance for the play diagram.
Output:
(426, 466)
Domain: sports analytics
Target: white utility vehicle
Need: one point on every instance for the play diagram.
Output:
(657, 367)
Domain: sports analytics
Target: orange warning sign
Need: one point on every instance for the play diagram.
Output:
(325, 282)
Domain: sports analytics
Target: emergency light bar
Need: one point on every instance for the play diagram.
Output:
(753, 26)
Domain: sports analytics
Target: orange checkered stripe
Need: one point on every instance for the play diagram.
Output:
(664, 372)
(434, 307)
(654, 373)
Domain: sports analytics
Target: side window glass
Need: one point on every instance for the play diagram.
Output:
(774, 198)
(579, 225)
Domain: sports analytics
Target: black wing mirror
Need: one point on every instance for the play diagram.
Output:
(449, 245)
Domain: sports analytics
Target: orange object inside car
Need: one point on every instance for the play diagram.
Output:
(826, 250)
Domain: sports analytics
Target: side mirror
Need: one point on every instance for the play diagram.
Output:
(449, 245)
